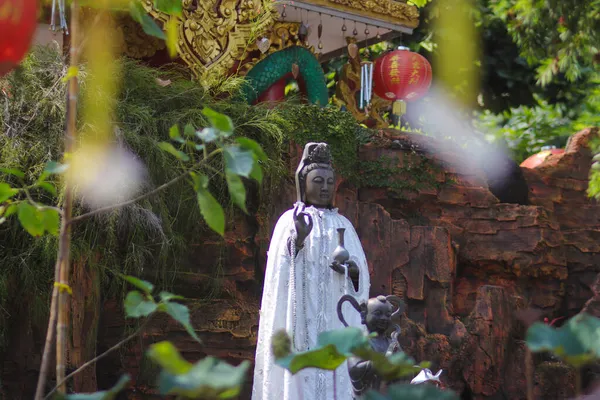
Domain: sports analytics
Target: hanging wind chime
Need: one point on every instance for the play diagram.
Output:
(58, 11)
(366, 79)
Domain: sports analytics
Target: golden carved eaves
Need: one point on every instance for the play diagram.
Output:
(391, 11)
(213, 34)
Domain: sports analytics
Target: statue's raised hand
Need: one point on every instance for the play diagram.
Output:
(304, 224)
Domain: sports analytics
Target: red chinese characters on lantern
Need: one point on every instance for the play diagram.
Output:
(17, 26)
(401, 75)
(394, 73)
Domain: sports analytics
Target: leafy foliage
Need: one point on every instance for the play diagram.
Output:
(209, 378)
(143, 304)
(560, 35)
(334, 347)
(150, 236)
(577, 342)
(594, 187)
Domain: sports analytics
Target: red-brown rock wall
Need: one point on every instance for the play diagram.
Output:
(463, 262)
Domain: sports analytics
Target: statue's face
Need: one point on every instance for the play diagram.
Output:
(379, 316)
(320, 185)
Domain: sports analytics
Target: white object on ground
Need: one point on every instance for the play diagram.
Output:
(425, 376)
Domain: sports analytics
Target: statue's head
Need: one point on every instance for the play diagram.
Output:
(378, 312)
(315, 178)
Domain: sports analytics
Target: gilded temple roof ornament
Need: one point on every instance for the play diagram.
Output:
(388, 13)
(214, 34)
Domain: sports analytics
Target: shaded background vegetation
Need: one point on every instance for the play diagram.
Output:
(538, 64)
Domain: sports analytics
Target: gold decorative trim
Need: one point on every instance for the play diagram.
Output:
(392, 11)
(214, 34)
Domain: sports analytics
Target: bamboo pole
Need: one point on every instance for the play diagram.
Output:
(61, 287)
(65, 231)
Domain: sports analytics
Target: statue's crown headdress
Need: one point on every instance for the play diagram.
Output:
(315, 155)
(320, 154)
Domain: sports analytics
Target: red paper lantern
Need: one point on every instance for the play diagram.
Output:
(18, 21)
(401, 75)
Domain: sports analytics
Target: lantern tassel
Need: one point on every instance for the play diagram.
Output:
(398, 110)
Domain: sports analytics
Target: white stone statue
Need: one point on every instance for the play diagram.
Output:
(307, 273)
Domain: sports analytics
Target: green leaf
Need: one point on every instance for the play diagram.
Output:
(104, 395)
(577, 342)
(238, 161)
(412, 392)
(144, 286)
(253, 146)
(333, 348)
(237, 190)
(48, 187)
(137, 305)
(6, 192)
(171, 7)
(209, 378)
(200, 181)
(51, 220)
(211, 210)
(13, 171)
(52, 167)
(72, 72)
(175, 135)
(207, 135)
(10, 210)
(257, 173)
(169, 148)
(171, 28)
(166, 355)
(31, 219)
(137, 12)
(189, 130)
(219, 121)
(166, 296)
(419, 3)
(181, 314)
(394, 367)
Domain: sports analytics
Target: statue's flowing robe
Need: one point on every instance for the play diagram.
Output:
(317, 291)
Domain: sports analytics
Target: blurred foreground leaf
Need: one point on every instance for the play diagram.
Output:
(209, 378)
(577, 342)
(333, 348)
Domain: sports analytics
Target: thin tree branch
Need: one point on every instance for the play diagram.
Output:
(39, 391)
(132, 201)
(99, 357)
(147, 194)
(64, 247)
(41, 206)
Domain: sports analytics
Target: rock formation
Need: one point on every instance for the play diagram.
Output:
(463, 262)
